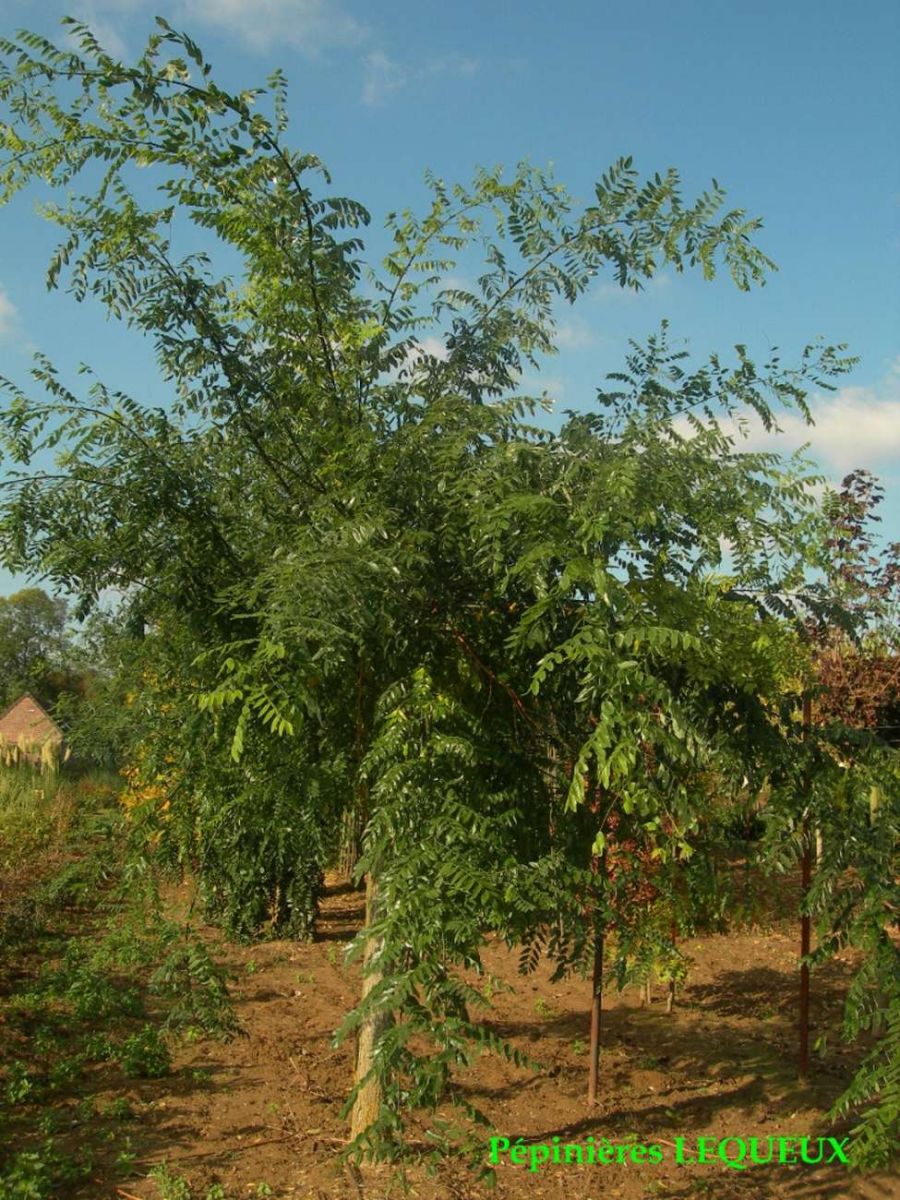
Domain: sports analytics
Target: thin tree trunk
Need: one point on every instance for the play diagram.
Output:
(874, 803)
(878, 1018)
(367, 1104)
(354, 820)
(806, 877)
(352, 825)
(670, 990)
(598, 870)
(596, 1016)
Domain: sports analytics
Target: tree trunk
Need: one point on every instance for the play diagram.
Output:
(367, 1104)
(806, 872)
(596, 1016)
(806, 876)
(354, 820)
(670, 990)
(352, 825)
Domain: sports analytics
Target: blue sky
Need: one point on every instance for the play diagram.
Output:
(794, 106)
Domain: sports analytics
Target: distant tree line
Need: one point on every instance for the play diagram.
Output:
(75, 672)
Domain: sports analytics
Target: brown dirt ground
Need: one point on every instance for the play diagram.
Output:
(266, 1107)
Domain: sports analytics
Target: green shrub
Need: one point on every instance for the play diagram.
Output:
(145, 1054)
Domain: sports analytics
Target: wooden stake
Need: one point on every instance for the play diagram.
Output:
(598, 869)
(596, 1015)
(805, 880)
(367, 1104)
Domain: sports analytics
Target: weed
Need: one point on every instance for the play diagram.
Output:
(145, 1054)
(98, 1047)
(51, 1121)
(579, 1047)
(125, 1161)
(32, 813)
(78, 1007)
(194, 986)
(20, 1085)
(171, 1187)
(46, 1040)
(176, 1187)
(27, 1176)
(117, 1110)
(36, 1174)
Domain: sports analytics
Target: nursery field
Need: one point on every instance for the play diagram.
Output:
(110, 1091)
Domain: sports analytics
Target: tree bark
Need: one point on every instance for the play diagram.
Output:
(352, 825)
(596, 1016)
(354, 820)
(367, 1104)
(805, 876)
(670, 989)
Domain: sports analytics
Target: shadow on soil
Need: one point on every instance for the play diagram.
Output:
(661, 1074)
(683, 1073)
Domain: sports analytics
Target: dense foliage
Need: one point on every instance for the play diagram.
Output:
(373, 598)
(35, 652)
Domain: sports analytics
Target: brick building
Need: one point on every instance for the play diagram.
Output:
(26, 725)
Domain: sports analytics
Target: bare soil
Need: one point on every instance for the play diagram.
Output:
(266, 1107)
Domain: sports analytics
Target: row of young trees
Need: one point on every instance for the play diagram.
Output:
(377, 608)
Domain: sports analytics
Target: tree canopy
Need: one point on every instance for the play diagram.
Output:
(377, 599)
(34, 649)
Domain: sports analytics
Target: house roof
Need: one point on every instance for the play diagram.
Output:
(25, 716)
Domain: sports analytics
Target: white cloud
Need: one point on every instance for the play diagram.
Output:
(538, 385)
(9, 317)
(575, 334)
(307, 25)
(383, 76)
(610, 290)
(854, 427)
(458, 283)
(310, 26)
(96, 14)
(433, 346)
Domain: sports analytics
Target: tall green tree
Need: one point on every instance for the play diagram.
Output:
(380, 598)
(35, 652)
